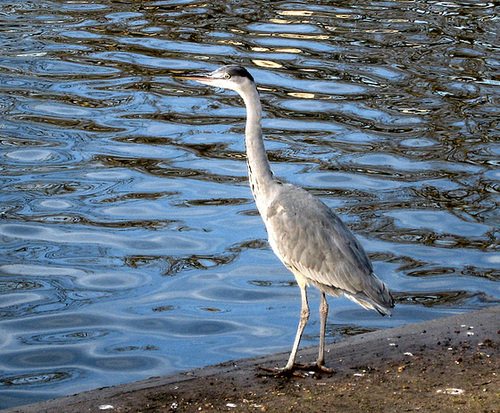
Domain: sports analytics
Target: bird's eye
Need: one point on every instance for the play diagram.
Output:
(227, 76)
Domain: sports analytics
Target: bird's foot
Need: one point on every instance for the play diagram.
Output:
(280, 373)
(295, 370)
(314, 368)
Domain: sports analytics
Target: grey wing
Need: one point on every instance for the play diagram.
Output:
(314, 243)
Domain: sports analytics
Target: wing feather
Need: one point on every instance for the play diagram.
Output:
(313, 242)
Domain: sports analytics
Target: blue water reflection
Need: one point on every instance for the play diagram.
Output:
(131, 245)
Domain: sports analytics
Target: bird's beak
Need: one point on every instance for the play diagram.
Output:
(193, 77)
(213, 79)
(202, 77)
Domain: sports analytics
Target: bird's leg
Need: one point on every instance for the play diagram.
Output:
(319, 366)
(288, 370)
(304, 318)
(323, 312)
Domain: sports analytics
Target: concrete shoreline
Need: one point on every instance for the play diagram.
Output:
(456, 350)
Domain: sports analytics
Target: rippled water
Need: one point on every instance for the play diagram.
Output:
(131, 243)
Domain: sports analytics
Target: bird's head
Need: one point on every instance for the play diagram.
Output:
(232, 77)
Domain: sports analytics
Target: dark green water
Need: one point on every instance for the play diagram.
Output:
(131, 246)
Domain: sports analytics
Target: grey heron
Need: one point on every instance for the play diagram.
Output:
(312, 242)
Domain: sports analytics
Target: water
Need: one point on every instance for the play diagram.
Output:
(131, 243)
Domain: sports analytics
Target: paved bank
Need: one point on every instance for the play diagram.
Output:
(449, 364)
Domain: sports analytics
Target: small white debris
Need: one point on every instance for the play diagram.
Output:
(470, 333)
(174, 406)
(359, 374)
(106, 407)
(408, 354)
(392, 344)
(231, 405)
(452, 391)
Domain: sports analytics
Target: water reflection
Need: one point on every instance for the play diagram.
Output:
(38, 379)
(131, 241)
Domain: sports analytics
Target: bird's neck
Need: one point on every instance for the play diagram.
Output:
(259, 171)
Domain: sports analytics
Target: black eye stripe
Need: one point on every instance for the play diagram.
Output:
(238, 71)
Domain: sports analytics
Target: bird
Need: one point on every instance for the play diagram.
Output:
(304, 233)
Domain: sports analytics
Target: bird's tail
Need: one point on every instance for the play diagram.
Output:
(377, 298)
